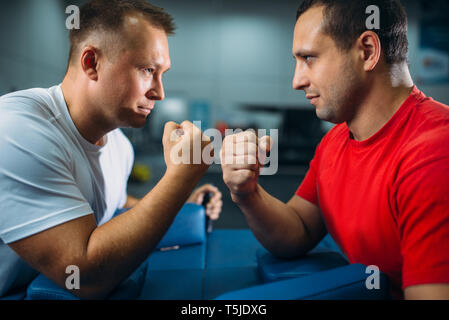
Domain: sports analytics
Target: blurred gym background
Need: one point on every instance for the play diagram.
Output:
(232, 67)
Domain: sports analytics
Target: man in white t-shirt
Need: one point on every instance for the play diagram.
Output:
(64, 163)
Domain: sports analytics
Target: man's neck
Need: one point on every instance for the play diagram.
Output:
(385, 96)
(82, 114)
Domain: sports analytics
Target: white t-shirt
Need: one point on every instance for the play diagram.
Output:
(50, 174)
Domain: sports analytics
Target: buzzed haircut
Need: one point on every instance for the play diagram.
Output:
(108, 16)
(345, 20)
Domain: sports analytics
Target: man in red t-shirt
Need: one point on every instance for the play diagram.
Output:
(379, 181)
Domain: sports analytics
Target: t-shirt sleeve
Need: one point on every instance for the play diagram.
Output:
(422, 200)
(308, 188)
(38, 190)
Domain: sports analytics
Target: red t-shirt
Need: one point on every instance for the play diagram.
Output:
(385, 200)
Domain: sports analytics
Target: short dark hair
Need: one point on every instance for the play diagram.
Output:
(108, 15)
(345, 21)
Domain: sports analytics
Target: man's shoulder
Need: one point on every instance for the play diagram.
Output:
(426, 133)
(33, 94)
(25, 93)
(429, 109)
(28, 106)
(428, 141)
(35, 101)
(27, 121)
(428, 122)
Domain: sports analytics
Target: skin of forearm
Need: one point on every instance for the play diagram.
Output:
(119, 246)
(276, 225)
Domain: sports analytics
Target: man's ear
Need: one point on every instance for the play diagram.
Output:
(89, 60)
(369, 47)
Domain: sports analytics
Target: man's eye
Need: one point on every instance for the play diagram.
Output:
(149, 70)
(307, 58)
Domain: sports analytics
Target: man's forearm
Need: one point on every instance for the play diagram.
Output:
(275, 224)
(117, 247)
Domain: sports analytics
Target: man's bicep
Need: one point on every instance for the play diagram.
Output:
(52, 250)
(310, 215)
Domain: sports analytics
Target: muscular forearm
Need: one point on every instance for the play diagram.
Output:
(275, 224)
(117, 247)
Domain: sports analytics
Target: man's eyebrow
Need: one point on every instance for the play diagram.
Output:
(302, 53)
(160, 66)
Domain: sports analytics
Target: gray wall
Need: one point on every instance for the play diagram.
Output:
(34, 44)
(228, 52)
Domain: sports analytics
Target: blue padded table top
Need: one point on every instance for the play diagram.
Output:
(186, 257)
(232, 248)
(175, 274)
(226, 262)
(346, 282)
(231, 261)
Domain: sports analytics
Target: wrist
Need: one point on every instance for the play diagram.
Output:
(245, 199)
(185, 175)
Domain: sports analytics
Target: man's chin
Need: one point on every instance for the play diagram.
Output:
(324, 114)
(328, 115)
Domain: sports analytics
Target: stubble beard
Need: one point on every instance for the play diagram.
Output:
(343, 98)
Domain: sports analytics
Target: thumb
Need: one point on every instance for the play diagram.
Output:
(172, 131)
(265, 144)
(199, 199)
(170, 126)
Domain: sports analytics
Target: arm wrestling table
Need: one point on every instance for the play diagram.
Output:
(191, 264)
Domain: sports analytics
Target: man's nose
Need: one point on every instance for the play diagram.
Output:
(300, 80)
(156, 91)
